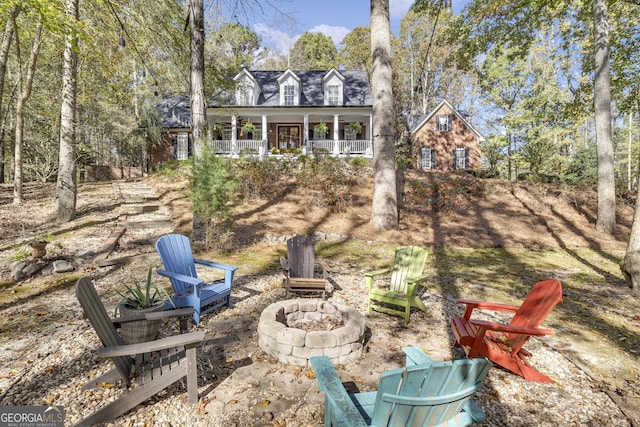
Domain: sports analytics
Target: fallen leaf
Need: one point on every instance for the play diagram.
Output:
(105, 385)
(232, 402)
(310, 374)
(265, 402)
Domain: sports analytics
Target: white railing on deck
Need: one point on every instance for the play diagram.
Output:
(361, 147)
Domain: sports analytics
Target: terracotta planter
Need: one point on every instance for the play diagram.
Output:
(39, 249)
(141, 330)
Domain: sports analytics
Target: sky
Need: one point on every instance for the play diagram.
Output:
(334, 18)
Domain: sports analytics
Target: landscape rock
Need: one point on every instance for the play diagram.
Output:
(62, 266)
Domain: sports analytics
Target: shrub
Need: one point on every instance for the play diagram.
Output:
(213, 186)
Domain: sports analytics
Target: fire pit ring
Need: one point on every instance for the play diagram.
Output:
(294, 345)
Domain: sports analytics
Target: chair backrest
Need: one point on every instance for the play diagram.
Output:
(301, 256)
(101, 322)
(175, 253)
(427, 394)
(540, 301)
(408, 261)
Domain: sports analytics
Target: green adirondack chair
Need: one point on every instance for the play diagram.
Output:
(406, 275)
(424, 394)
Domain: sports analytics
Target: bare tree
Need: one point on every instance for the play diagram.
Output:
(25, 83)
(67, 192)
(384, 212)
(606, 221)
(198, 104)
(4, 56)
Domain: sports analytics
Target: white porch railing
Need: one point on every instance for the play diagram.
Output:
(248, 147)
(342, 147)
(243, 147)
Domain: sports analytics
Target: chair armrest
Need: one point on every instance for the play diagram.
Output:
(342, 407)
(417, 279)
(415, 356)
(368, 277)
(511, 329)
(377, 272)
(284, 263)
(157, 345)
(182, 278)
(165, 314)
(482, 305)
(325, 268)
(217, 265)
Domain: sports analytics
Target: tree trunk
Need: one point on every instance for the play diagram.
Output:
(4, 55)
(606, 221)
(26, 83)
(384, 212)
(67, 193)
(630, 264)
(198, 105)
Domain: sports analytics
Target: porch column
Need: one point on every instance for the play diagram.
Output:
(264, 147)
(336, 135)
(306, 148)
(234, 136)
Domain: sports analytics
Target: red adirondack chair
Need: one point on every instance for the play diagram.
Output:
(502, 343)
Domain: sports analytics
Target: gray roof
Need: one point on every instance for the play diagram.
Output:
(174, 112)
(357, 91)
(174, 109)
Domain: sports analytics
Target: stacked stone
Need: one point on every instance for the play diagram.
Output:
(295, 346)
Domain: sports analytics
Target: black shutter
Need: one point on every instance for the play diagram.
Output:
(466, 158)
(174, 146)
(433, 158)
(454, 159)
(189, 146)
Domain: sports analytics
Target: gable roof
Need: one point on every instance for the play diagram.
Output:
(424, 119)
(357, 91)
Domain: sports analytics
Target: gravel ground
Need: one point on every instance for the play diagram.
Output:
(54, 354)
(240, 385)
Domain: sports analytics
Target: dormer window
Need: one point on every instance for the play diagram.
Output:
(333, 87)
(289, 88)
(333, 94)
(244, 94)
(289, 95)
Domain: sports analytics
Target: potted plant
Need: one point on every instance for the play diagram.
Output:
(354, 127)
(321, 129)
(39, 246)
(141, 299)
(248, 128)
(216, 131)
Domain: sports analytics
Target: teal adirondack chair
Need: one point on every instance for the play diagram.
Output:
(424, 394)
(406, 275)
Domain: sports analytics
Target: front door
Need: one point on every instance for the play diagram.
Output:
(288, 137)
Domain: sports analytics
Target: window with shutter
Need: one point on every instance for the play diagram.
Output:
(427, 159)
(460, 158)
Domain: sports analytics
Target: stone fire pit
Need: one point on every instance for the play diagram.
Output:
(294, 330)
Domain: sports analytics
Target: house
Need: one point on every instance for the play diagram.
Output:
(445, 141)
(273, 112)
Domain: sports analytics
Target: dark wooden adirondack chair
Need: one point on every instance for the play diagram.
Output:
(299, 267)
(424, 394)
(406, 275)
(502, 343)
(144, 369)
(190, 291)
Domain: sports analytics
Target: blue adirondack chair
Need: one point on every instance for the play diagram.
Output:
(425, 393)
(190, 291)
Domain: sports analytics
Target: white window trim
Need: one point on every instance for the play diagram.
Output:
(182, 146)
